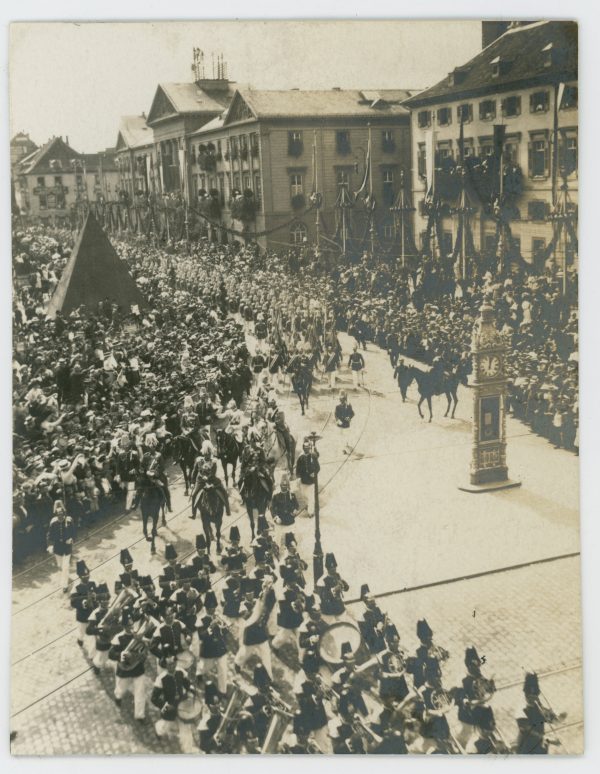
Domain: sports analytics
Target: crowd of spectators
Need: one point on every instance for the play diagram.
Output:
(88, 385)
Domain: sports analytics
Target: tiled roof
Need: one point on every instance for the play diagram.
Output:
(331, 103)
(56, 148)
(523, 52)
(135, 131)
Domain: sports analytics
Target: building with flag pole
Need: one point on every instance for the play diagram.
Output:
(517, 103)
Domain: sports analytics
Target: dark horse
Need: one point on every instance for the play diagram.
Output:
(256, 490)
(229, 452)
(437, 382)
(211, 503)
(151, 498)
(185, 451)
(302, 382)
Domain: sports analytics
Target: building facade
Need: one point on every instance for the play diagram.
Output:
(526, 81)
(53, 180)
(272, 150)
(135, 158)
(177, 111)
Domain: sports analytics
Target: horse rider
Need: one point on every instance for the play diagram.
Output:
(152, 466)
(235, 421)
(207, 477)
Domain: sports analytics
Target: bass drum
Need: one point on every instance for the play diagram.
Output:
(189, 709)
(330, 644)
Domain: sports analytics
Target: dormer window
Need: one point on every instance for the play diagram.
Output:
(548, 55)
(495, 63)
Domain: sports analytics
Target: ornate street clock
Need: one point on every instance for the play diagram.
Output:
(488, 462)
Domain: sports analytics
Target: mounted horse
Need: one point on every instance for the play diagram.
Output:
(302, 380)
(439, 382)
(256, 491)
(211, 500)
(229, 450)
(186, 448)
(151, 498)
(280, 447)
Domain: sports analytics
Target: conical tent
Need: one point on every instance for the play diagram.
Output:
(94, 272)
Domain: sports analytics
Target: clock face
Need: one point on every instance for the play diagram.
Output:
(490, 366)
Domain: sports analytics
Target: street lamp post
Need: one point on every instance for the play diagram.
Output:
(318, 549)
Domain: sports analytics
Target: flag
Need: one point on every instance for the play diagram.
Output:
(430, 159)
(559, 96)
(461, 140)
(365, 180)
(182, 171)
(499, 135)
(148, 172)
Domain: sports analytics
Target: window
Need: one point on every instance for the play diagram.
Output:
(447, 246)
(254, 144)
(247, 183)
(536, 210)
(388, 231)
(243, 147)
(489, 244)
(517, 244)
(258, 191)
(464, 113)
(296, 186)
(79, 182)
(569, 98)
(388, 187)
(342, 177)
(539, 102)
(298, 234)
(444, 151)
(486, 150)
(58, 180)
(221, 178)
(421, 208)
(424, 118)
(421, 160)
(41, 181)
(468, 149)
(538, 246)
(51, 201)
(219, 150)
(43, 201)
(236, 182)
(202, 183)
(539, 157)
(342, 142)
(388, 144)
(444, 116)
(568, 154)
(511, 106)
(96, 179)
(295, 144)
(487, 109)
(234, 147)
(511, 152)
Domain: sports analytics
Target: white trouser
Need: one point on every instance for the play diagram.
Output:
(308, 493)
(136, 686)
(465, 733)
(130, 489)
(332, 378)
(81, 627)
(285, 636)
(356, 376)
(323, 740)
(100, 658)
(263, 651)
(64, 563)
(166, 727)
(206, 665)
(275, 379)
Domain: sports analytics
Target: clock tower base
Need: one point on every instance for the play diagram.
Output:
(490, 486)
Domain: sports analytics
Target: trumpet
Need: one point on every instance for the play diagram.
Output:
(112, 618)
(362, 729)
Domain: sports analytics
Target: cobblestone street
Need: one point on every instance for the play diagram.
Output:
(414, 529)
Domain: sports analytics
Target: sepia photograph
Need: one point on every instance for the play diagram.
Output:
(295, 387)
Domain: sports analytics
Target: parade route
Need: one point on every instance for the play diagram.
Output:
(379, 534)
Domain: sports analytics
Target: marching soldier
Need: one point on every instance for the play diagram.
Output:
(475, 690)
(234, 557)
(61, 533)
(284, 505)
(210, 720)
(307, 468)
(173, 638)
(289, 619)
(343, 680)
(83, 600)
(311, 717)
(356, 364)
(532, 728)
(213, 650)
(331, 587)
(344, 414)
(129, 680)
(331, 363)
(94, 629)
(254, 632)
(129, 576)
(171, 687)
(402, 375)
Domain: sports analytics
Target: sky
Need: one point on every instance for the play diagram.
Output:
(78, 79)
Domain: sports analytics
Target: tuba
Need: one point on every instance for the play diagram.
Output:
(137, 649)
(112, 620)
(280, 719)
(234, 705)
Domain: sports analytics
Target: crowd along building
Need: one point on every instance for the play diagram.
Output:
(508, 119)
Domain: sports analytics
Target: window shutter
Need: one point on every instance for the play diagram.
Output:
(530, 158)
(546, 158)
(532, 103)
(517, 106)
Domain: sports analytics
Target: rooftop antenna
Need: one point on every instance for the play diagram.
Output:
(198, 63)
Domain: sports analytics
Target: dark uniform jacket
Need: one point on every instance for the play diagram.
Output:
(171, 690)
(117, 646)
(283, 506)
(343, 414)
(58, 534)
(82, 602)
(307, 467)
(212, 641)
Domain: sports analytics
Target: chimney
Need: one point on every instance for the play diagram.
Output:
(67, 139)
